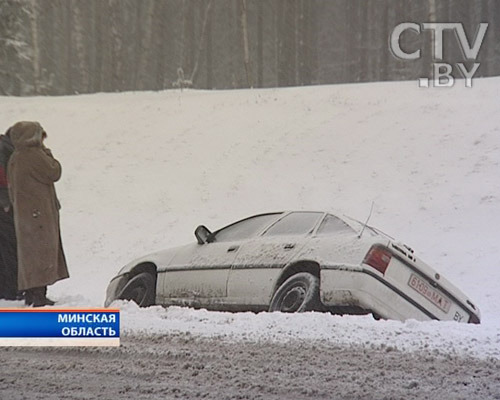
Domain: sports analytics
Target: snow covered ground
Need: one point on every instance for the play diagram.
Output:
(142, 170)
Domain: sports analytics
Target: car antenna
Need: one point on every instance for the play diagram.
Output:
(366, 223)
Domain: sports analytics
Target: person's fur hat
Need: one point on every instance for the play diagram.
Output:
(26, 134)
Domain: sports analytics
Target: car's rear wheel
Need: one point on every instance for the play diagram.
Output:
(298, 293)
(140, 289)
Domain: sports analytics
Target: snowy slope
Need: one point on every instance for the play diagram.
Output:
(142, 170)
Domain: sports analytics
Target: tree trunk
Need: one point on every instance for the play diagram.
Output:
(146, 45)
(80, 34)
(488, 44)
(201, 42)
(260, 44)
(188, 41)
(313, 41)
(69, 48)
(160, 14)
(209, 51)
(304, 42)
(287, 43)
(246, 51)
(36, 46)
(97, 46)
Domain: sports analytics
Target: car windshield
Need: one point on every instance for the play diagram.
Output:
(244, 229)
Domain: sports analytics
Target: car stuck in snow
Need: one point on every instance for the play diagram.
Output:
(294, 261)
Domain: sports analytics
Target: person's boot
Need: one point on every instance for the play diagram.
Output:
(47, 300)
(28, 297)
(39, 298)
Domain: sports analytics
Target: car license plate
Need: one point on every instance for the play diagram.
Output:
(431, 294)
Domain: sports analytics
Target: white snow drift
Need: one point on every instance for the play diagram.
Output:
(141, 170)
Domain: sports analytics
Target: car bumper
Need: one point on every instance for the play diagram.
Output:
(352, 285)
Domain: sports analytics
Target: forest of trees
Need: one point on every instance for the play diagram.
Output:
(56, 47)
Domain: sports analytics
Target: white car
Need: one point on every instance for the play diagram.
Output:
(291, 262)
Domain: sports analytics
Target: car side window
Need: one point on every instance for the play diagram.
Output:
(244, 229)
(332, 224)
(296, 223)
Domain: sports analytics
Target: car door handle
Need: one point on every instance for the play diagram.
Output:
(233, 248)
(289, 246)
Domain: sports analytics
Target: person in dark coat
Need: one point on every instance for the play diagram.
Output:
(8, 256)
(31, 173)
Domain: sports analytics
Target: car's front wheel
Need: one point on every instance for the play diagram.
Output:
(140, 289)
(298, 293)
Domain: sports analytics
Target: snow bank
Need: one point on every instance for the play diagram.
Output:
(436, 337)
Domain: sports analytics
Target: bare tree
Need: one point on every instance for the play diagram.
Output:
(188, 36)
(16, 66)
(246, 52)
(260, 44)
(35, 43)
(146, 44)
(287, 43)
(209, 49)
(304, 42)
(68, 27)
(80, 33)
(160, 13)
(96, 48)
(201, 41)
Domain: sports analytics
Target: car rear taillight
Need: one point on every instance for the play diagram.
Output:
(378, 257)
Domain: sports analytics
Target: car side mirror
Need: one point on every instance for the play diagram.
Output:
(202, 234)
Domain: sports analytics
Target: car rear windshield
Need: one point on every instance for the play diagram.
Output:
(332, 225)
(296, 223)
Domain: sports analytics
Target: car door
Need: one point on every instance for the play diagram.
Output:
(198, 274)
(259, 264)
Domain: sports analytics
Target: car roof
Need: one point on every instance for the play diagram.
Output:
(280, 215)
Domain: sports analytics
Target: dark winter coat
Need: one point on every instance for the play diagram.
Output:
(8, 246)
(32, 171)
(6, 149)
(8, 256)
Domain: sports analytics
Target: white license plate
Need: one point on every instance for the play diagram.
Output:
(431, 294)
